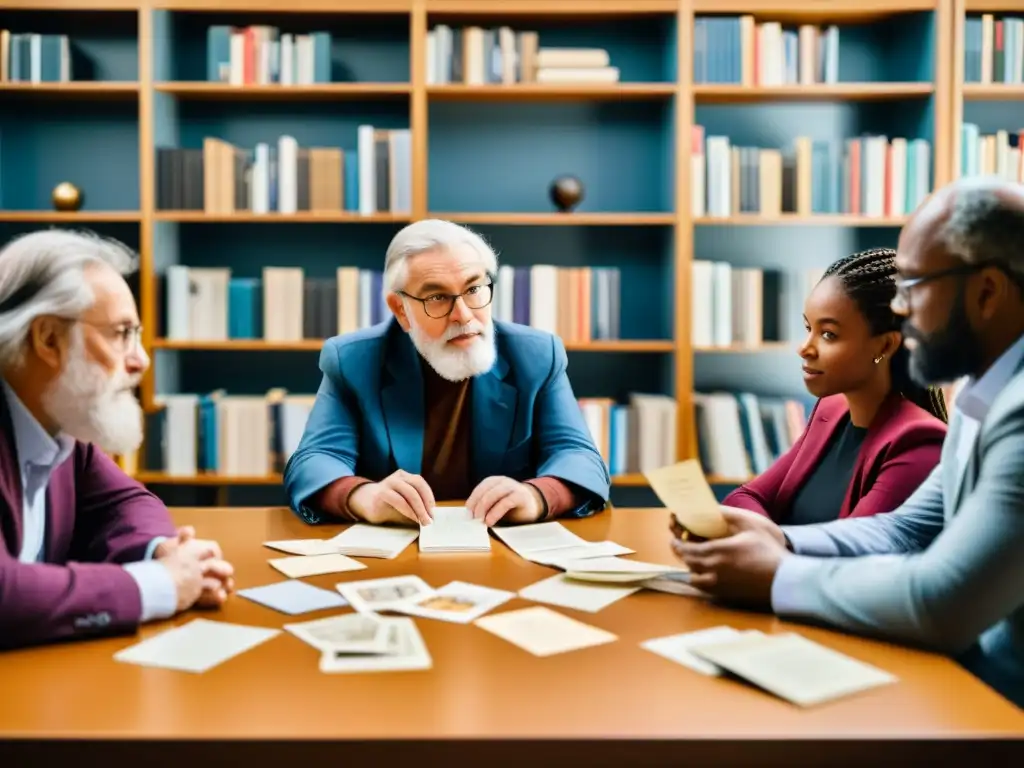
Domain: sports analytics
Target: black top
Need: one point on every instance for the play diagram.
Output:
(822, 494)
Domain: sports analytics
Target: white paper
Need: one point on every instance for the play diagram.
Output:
(350, 633)
(197, 646)
(586, 550)
(614, 569)
(532, 539)
(453, 529)
(677, 647)
(294, 597)
(580, 595)
(375, 595)
(315, 565)
(794, 668)
(304, 546)
(380, 541)
(405, 651)
(544, 632)
(457, 602)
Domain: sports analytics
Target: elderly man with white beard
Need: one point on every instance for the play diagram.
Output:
(84, 549)
(442, 403)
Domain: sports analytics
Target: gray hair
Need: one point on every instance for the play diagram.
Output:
(55, 260)
(986, 223)
(429, 235)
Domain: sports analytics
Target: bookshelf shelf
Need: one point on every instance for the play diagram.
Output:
(87, 89)
(766, 346)
(993, 92)
(70, 217)
(561, 219)
(315, 345)
(321, 91)
(728, 94)
(551, 92)
(815, 11)
(301, 217)
(795, 220)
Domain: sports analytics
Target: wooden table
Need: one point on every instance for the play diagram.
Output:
(482, 687)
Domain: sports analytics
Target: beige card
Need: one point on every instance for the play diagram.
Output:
(315, 565)
(580, 595)
(303, 546)
(685, 491)
(793, 667)
(544, 632)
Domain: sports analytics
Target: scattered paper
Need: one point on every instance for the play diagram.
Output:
(587, 550)
(544, 632)
(197, 646)
(580, 595)
(375, 595)
(673, 584)
(534, 538)
(453, 529)
(351, 633)
(293, 597)
(315, 565)
(684, 490)
(614, 570)
(456, 602)
(794, 668)
(405, 651)
(304, 546)
(381, 541)
(677, 647)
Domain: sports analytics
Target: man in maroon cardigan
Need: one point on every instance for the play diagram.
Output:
(84, 549)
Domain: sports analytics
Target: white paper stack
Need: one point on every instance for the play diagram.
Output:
(548, 543)
(614, 569)
(362, 540)
(360, 643)
(453, 529)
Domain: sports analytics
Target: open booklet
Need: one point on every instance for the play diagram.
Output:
(548, 543)
(454, 529)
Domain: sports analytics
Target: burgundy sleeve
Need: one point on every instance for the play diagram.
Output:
(906, 466)
(333, 498)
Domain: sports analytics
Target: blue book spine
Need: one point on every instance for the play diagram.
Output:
(352, 181)
(218, 53)
(321, 57)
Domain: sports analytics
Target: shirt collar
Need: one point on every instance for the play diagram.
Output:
(977, 395)
(34, 444)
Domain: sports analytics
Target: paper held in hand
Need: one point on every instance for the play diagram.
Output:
(683, 489)
(453, 529)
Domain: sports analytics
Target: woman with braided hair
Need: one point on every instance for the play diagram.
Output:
(874, 434)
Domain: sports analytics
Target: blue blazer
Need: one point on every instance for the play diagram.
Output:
(368, 417)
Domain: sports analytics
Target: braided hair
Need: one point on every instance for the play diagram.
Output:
(869, 278)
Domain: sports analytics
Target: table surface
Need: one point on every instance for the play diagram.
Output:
(480, 686)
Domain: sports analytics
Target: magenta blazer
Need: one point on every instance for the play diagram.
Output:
(96, 519)
(902, 447)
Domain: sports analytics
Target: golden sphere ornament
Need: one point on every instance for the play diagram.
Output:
(67, 197)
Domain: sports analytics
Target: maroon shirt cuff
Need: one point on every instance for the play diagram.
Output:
(333, 499)
(557, 496)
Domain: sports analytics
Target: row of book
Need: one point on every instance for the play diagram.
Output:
(999, 154)
(733, 306)
(253, 436)
(579, 304)
(284, 305)
(868, 176)
(35, 58)
(737, 50)
(476, 55)
(993, 49)
(261, 54)
(222, 178)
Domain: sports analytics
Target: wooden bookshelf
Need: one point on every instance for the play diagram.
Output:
(668, 99)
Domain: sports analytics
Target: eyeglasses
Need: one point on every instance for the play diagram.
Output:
(438, 305)
(127, 339)
(901, 302)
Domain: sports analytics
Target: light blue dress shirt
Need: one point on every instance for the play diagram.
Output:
(39, 454)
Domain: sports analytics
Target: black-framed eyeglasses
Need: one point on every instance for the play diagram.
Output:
(438, 305)
(903, 285)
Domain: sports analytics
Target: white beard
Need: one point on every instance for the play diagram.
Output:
(93, 407)
(456, 363)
